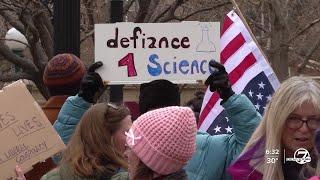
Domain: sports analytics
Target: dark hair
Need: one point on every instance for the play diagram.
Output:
(312, 169)
(157, 94)
(143, 172)
(196, 103)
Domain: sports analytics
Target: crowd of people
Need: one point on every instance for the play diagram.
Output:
(163, 143)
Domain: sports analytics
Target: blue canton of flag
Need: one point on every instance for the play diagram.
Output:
(258, 90)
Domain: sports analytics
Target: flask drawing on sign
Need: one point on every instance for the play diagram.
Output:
(205, 45)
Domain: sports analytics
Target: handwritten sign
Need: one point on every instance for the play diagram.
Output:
(134, 53)
(26, 135)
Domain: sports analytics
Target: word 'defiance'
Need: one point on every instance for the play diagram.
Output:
(141, 41)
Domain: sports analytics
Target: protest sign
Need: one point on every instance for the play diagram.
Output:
(133, 53)
(26, 135)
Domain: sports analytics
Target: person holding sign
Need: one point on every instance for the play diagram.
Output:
(75, 106)
(62, 76)
(215, 153)
(96, 149)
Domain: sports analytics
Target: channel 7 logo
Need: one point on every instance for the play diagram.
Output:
(301, 156)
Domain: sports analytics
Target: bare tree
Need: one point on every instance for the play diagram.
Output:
(286, 30)
(31, 18)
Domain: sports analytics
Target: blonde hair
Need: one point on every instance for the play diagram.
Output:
(291, 94)
(91, 150)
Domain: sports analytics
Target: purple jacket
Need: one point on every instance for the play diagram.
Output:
(243, 169)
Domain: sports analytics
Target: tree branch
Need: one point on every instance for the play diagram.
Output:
(309, 54)
(278, 10)
(6, 9)
(44, 33)
(143, 10)
(37, 51)
(259, 26)
(87, 35)
(170, 15)
(12, 21)
(156, 19)
(303, 30)
(24, 63)
(4, 39)
(127, 6)
(89, 11)
(12, 3)
(151, 10)
(27, 19)
(200, 10)
(14, 77)
(46, 4)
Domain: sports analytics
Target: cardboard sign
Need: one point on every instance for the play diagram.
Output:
(26, 135)
(136, 53)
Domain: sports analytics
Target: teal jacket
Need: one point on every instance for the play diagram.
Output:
(68, 118)
(215, 153)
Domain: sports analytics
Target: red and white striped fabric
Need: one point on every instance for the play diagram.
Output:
(242, 60)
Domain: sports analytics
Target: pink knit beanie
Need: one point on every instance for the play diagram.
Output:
(164, 139)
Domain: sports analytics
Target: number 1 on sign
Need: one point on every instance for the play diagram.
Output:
(128, 61)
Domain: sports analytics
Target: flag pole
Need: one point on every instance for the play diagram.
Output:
(235, 5)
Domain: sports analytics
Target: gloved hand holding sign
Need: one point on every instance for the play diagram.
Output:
(91, 83)
(219, 81)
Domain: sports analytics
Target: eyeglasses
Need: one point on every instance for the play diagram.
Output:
(297, 122)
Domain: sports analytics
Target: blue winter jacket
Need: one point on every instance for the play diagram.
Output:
(215, 153)
(69, 116)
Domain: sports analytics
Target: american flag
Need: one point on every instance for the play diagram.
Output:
(249, 74)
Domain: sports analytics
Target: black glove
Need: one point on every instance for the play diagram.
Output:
(218, 81)
(91, 83)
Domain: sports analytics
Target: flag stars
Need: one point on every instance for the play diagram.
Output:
(269, 97)
(229, 129)
(261, 85)
(217, 129)
(259, 96)
(227, 119)
(250, 93)
(257, 106)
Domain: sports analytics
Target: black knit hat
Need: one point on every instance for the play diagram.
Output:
(157, 94)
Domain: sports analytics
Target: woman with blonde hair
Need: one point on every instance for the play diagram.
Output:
(96, 149)
(289, 123)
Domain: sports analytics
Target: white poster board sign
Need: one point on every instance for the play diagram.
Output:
(136, 53)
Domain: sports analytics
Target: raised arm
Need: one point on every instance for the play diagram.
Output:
(243, 117)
